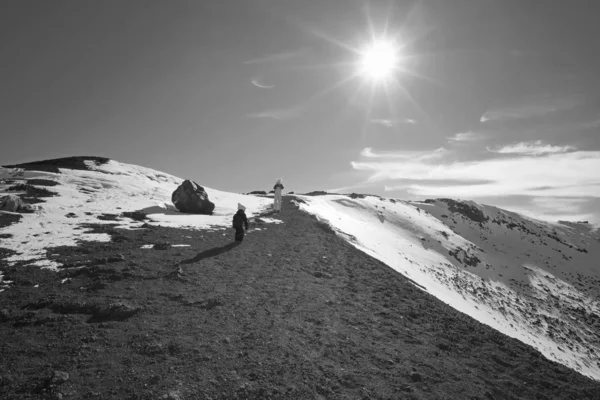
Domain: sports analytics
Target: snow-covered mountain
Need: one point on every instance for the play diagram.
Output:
(532, 280)
(92, 190)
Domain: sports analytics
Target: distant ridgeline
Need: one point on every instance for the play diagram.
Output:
(53, 165)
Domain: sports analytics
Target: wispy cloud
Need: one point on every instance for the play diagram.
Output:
(534, 148)
(388, 123)
(259, 84)
(368, 152)
(558, 208)
(558, 205)
(283, 114)
(466, 137)
(517, 175)
(278, 57)
(532, 107)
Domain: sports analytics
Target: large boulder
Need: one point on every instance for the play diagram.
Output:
(191, 198)
(11, 203)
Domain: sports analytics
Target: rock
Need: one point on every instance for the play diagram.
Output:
(59, 377)
(416, 377)
(11, 203)
(113, 312)
(162, 246)
(191, 198)
(116, 258)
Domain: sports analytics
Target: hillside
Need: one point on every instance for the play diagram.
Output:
(99, 301)
(535, 281)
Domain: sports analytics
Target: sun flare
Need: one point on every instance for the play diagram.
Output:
(379, 61)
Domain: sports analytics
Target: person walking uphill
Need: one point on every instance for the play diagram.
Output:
(277, 198)
(239, 222)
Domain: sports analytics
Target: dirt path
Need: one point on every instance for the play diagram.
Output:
(293, 313)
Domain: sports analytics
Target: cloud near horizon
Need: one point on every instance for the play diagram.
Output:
(534, 148)
(550, 174)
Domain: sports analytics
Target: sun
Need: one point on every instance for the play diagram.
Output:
(379, 61)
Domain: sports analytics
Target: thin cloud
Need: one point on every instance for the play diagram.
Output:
(534, 148)
(531, 107)
(559, 204)
(407, 183)
(278, 114)
(346, 189)
(261, 85)
(465, 137)
(277, 57)
(368, 152)
(511, 176)
(388, 123)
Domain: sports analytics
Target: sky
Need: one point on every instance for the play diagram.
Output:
(493, 100)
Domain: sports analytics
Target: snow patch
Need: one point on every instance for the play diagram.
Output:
(531, 280)
(104, 192)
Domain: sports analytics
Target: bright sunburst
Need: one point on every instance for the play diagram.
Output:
(379, 61)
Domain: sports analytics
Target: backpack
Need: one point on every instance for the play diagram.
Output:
(238, 221)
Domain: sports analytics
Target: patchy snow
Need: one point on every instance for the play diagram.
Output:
(534, 281)
(151, 246)
(271, 220)
(110, 188)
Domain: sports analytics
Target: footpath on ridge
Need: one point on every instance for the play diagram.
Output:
(294, 312)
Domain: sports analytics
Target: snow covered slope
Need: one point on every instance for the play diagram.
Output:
(98, 191)
(535, 281)
(532, 280)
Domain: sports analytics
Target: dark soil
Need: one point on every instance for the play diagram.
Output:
(8, 219)
(42, 182)
(53, 165)
(31, 191)
(294, 312)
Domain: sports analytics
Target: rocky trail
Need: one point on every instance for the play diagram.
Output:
(294, 312)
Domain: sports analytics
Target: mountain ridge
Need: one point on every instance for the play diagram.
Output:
(530, 279)
(295, 312)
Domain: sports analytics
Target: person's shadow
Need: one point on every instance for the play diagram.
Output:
(215, 251)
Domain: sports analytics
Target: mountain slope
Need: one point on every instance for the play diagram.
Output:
(295, 312)
(75, 191)
(531, 280)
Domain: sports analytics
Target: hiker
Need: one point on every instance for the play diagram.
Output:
(277, 198)
(239, 221)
